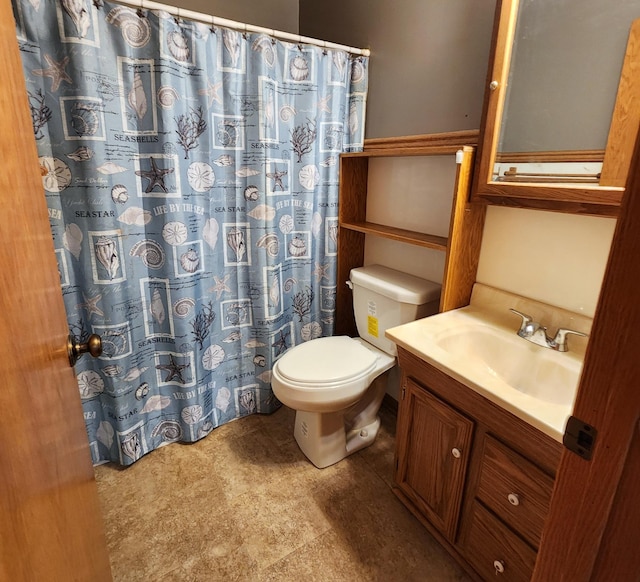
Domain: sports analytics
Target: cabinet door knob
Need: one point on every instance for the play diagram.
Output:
(513, 499)
(456, 453)
(499, 566)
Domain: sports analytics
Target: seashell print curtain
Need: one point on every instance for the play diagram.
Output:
(191, 176)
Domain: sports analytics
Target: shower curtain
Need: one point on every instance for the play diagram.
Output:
(191, 177)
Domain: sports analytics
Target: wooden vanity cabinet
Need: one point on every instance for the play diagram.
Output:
(487, 502)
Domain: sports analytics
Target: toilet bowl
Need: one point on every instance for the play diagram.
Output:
(336, 384)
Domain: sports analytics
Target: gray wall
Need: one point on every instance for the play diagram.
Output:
(428, 58)
(276, 14)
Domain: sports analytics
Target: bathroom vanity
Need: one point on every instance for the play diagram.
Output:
(478, 444)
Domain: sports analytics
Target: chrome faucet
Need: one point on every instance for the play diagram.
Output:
(535, 333)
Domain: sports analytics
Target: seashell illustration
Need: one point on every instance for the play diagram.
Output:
(251, 193)
(151, 253)
(299, 68)
(156, 307)
(316, 223)
(190, 261)
(119, 194)
(297, 247)
(205, 429)
(82, 154)
(135, 30)
(264, 45)
(289, 284)
(223, 160)
(328, 162)
(142, 391)
(130, 446)
(134, 373)
(183, 307)
(200, 176)
(248, 401)
(156, 402)
(174, 233)
(271, 242)
(234, 336)
(212, 357)
(309, 177)
(357, 71)
(35, 4)
(274, 291)
(84, 119)
(167, 96)
(286, 113)
(235, 240)
(260, 360)
(339, 62)
(332, 229)
(105, 250)
(354, 124)
(137, 98)
(105, 433)
(135, 215)
(285, 224)
(191, 414)
(254, 343)
(246, 172)
(265, 376)
(178, 46)
(231, 40)
(263, 212)
(110, 168)
(222, 399)
(111, 371)
(169, 430)
(269, 113)
(77, 11)
(210, 232)
(90, 384)
(56, 175)
(310, 331)
(72, 239)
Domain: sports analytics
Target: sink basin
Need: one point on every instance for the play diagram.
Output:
(533, 370)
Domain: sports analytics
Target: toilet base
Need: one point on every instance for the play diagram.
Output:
(323, 439)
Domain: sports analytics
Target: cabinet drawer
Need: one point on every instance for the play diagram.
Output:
(494, 550)
(514, 489)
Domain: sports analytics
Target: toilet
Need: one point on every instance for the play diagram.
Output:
(336, 384)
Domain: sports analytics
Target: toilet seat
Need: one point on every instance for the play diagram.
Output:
(326, 362)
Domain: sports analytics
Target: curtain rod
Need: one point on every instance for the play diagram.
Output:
(216, 21)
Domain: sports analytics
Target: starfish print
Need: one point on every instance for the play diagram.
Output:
(281, 344)
(323, 104)
(221, 285)
(155, 176)
(321, 272)
(277, 179)
(211, 92)
(91, 304)
(173, 369)
(56, 71)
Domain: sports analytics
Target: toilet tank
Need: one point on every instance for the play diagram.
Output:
(384, 298)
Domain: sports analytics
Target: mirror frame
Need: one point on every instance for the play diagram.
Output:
(571, 197)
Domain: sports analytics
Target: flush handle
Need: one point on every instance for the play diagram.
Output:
(75, 349)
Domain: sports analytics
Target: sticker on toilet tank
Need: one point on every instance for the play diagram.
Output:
(372, 320)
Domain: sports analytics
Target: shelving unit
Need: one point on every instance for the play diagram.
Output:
(462, 246)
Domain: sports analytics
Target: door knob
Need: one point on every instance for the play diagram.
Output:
(75, 349)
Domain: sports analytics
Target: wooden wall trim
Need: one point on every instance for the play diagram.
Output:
(451, 138)
(551, 157)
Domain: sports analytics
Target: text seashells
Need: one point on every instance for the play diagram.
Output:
(137, 98)
(167, 96)
(168, 430)
(156, 308)
(287, 113)
(200, 176)
(297, 247)
(260, 360)
(309, 177)
(231, 41)
(82, 154)
(107, 255)
(142, 391)
(84, 119)
(246, 172)
(270, 242)
(77, 11)
(151, 253)
(190, 261)
(184, 307)
(130, 446)
(110, 168)
(135, 215)
(174, 233)
(251, 193)
(111, 370)
(178, 46)
(119, 194)
(299, 68)
(90, 384)
(56, 175)
(210, 232)
(156, 402)
(263, 212)
(223, 160)
(135, 30)
(264, 45)
(212, 357)
(72, 239)
(235, 241)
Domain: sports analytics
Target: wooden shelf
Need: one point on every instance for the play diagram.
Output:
(411, 237)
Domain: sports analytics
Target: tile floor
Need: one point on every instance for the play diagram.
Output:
(244, 504)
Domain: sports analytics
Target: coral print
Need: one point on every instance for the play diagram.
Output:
(192, 175)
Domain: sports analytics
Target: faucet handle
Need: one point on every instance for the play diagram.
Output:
(526, 319)
(560, 340)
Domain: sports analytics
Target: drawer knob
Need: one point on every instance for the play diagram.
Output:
(499, 566)
(456, 453)
(513, 499)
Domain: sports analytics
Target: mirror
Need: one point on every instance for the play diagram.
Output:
(562, 105)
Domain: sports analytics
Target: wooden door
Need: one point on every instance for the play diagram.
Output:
(50, 523)
(434, 442)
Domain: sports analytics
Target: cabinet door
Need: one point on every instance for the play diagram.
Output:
(434, 442)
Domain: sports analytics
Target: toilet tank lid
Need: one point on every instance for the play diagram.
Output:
(396, 285)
